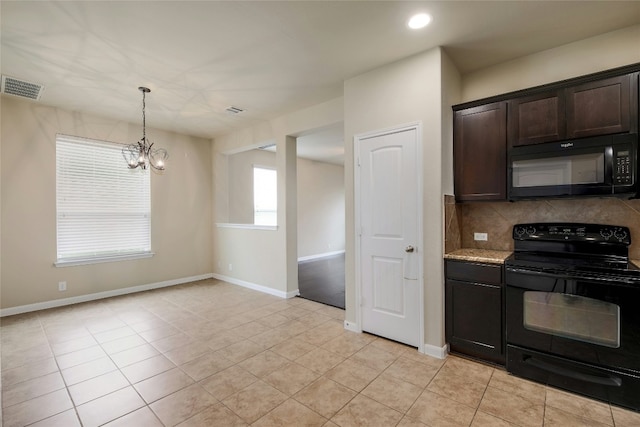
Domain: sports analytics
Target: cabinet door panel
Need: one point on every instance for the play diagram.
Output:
(480, 153)
(599, 108)
(536, 119)
(474, 319)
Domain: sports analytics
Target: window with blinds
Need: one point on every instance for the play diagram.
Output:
(103, 207)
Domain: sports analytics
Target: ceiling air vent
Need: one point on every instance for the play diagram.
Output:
(234, 110)
(16, 87)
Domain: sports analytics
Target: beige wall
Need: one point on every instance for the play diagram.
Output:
(320, 208)
(403, 92)
(180, 207)
(603, 52)
(240, 196)
(267, 258)
(320, 199)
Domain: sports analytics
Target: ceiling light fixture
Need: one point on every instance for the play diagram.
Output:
(142, 154)
(418, 21)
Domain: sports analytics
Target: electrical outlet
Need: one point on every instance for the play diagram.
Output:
(230, 267)
(62, 286)
(481, 236)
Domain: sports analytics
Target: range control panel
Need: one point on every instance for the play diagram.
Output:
(572, 232)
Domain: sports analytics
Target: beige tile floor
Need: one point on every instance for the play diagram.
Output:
(214, 354)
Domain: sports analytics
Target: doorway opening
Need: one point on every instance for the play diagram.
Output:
(322, 280)
(321, 215)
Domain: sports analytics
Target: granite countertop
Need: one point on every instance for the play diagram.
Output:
(490, 256)
(479, 255)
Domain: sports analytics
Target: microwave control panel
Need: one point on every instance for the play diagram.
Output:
(623, 173)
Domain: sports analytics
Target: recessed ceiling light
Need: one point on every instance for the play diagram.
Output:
(418, 21)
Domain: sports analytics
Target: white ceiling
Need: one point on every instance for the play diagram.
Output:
(267, 57)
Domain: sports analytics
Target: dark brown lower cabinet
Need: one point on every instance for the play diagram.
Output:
(474, 320)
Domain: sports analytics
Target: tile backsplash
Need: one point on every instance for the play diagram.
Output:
(497, 219)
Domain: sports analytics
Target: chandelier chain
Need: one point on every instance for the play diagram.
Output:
(144, 115)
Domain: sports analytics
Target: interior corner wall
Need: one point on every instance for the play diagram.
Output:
(599, 53)
(180, 207)
(451, 94)
(390, 96)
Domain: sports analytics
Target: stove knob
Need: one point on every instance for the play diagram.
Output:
(606, 233)
(531, 230)
(519, 231)
(620, 234)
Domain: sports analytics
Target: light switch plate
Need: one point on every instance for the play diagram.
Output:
(480, 236)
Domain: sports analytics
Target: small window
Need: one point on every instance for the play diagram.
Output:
(103, 207)
(265, 196)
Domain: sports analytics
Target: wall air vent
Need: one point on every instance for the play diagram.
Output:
(233, 110)
(21, 88)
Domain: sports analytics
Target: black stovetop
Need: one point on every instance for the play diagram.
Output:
(592, 250)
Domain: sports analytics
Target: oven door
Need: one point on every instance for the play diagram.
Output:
(594, 321)
(579, 334)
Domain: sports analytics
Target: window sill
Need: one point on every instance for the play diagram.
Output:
(100, 260)
(246, 226)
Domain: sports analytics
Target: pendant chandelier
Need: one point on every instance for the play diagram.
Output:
(142, 154)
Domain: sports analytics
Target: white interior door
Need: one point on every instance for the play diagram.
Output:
(390, 259)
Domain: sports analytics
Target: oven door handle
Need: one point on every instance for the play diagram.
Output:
(608, 279)
(560, 370)
(540, 273)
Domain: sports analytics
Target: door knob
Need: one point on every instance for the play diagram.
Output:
(409, 249)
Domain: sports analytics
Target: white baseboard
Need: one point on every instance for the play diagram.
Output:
(437, 352)
(256, 287)
(99, 295)
(317, 256)
(352, 326)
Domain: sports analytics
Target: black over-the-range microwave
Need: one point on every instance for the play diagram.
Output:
(597, 166)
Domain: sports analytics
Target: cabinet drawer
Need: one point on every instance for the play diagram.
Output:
(473, 272)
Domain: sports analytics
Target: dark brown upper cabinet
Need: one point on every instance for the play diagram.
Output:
(594, 108)
(599, 108)
(537, 118)
(480, 152)
(486, 129)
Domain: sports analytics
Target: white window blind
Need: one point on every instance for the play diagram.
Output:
(103, 207)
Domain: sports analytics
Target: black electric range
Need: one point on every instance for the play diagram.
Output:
(572, 309)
